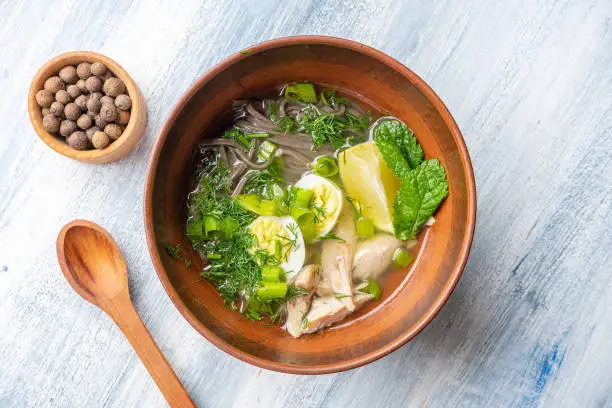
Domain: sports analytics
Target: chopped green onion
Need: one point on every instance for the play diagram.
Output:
(373, 289)
(213, 256)
(291, 93)
(211, 224)
(268, 207)
(309, 232)
(266, 150)
(301, 92)
(365, 227)
(303, 197)
(230, 226)
(307, 92)
(302, 216)
(324, 166)
(278, 191)
(249, 202)
(402, 258)
(195, 230)
(271, 273)
(272, 290)
(257, 135)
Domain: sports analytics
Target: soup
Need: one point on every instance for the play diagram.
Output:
(305, 203)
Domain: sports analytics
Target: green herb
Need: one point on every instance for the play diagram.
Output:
(402, 258)
(398, 146)
(423, 190)
(245, 52)
(294, 291)
(364, 227)
(424, 184)
(331, 235)
(178, 252)
(340, 296)
(330, 128)
(373, 288)
(239, 136)
(261, 182)
(304, 323)
(273, 111)
(286, 124)
(324, 166)
(301, 92)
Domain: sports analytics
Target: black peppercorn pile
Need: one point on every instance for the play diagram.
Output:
(87, 105)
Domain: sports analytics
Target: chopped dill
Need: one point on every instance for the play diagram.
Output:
(178, 252)
(331, 235)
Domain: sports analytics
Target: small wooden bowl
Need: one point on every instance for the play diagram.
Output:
(120, 147)
(411, 297)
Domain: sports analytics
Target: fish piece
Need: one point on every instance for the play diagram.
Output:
(307, 278)
(337, 259)
(373, 256)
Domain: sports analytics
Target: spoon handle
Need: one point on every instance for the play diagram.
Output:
(123, 313)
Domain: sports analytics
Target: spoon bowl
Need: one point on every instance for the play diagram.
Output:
(92, 262)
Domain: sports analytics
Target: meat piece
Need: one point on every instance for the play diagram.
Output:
(328, 310)
(373, 256)
(324, 312)
(337, 259)
(297, 307)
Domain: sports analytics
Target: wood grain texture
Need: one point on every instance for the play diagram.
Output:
(529, 323)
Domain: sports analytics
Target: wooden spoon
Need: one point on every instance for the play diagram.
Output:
(95, 268)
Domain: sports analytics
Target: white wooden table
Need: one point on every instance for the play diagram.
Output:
(530, 323)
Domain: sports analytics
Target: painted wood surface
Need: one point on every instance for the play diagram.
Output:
(529, 83)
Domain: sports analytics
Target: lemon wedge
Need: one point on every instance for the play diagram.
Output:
(326, 201)
(368, 179)
(281, 238)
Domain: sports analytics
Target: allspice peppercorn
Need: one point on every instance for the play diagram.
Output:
(81, 85)
(68, 74)
(57, 109)
(81, 102)
(90, 132)
(123, 117)
(84, 122)
(107, 99)
(87, 104)
(74, 91)
(63, 96)
(108, 112)
(99, 121)
(123, 102)
(78, 140)
(93, 84)
(93, 104)
(72, 111)
(113, 87)
(67, 127)
(54, 84)
(98, 68)
(44, 98)
(100, 140)
(84, 70)
(113, 131)
(51, 123)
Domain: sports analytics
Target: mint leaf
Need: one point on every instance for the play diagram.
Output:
(398, 146)
(422, 192)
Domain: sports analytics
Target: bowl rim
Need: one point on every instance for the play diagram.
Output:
(465, 246)
(133, 131)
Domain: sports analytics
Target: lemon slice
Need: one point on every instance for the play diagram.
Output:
(369, 180)
(281, 238)
(327, 201)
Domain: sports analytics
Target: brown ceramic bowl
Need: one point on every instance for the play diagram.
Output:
(411, 297)
(116, 150)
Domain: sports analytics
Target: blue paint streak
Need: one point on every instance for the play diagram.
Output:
(549, 366)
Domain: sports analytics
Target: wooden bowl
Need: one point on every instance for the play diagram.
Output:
(120, 147)
(411, 297)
